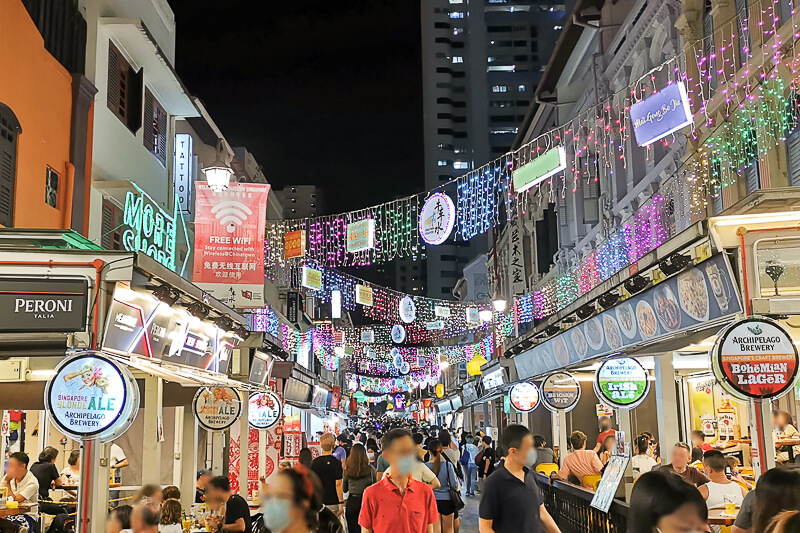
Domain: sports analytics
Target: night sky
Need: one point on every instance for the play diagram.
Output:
(324, 93)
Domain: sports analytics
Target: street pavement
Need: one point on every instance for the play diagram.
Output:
(469, 515)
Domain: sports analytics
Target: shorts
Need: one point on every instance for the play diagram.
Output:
(445, 507)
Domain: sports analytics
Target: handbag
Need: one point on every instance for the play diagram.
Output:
(455, 494)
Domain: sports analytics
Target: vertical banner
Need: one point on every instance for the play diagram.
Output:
(229, 243)
(516, 260)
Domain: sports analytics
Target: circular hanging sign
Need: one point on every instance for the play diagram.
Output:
(397, 358)
(621, 382)
(92, 396)
(405, 368)
(217, 408)
(755, 358)
(524, 397)
(398, 333)
(437, 218)
(264, 410)
(408, 309)
(561, 391)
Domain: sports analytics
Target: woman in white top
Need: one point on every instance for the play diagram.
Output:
(642, 462)
(171, 515)
(72, 472)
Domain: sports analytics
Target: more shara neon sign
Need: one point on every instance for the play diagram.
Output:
(150, 229)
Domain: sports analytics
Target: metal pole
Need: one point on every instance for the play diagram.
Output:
(86, 488)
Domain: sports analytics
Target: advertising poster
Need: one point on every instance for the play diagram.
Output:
(437, 218)
(264, 410)
(660, 114)
(294, 244)
(524, 397)
(229, 243)
(561, 391)
(217, 408)
(622, 382)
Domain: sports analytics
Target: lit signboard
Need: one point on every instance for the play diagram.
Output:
(149, 229)
(660, 114)
(536, 171)
(183, 171)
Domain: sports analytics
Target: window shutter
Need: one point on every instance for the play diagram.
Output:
(742, 16)
(149, 121)
(107, 224)
(134, 99)
(793, 158)
(112, 97)
(591, 207)
(161, 151)
(752, 180)
(708, 43)
(8, 170)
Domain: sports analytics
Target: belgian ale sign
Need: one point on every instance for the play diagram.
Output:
(41, 304)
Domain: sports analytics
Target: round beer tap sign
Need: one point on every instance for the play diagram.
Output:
(755, 358)
(217, 408)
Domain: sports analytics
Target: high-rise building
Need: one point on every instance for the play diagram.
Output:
(300, 201)
(481, 62)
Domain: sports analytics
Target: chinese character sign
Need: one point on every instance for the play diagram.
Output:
(229, 243)
(516, 260)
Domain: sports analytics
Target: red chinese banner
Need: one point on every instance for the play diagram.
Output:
(229, 243)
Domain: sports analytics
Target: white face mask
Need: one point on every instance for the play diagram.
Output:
(371, 455)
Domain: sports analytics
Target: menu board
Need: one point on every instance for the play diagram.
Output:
(614, 472)
(687, 301)
(622, 382)
(755, 358)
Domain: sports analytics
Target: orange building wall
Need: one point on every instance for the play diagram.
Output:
(39, 92)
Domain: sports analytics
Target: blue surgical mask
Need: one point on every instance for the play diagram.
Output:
(276, 514)
(530, 459)
(406, 464)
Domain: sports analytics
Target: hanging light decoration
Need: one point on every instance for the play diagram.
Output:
(474, 366)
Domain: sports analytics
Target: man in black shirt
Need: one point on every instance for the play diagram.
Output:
(488, 458)
(47, 474)
(203, 477)
(329, 470)
(237, 513)
(511, 502)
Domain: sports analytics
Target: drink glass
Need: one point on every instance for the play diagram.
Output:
(187, 524)
(730, 504)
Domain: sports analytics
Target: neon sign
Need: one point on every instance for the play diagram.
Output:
(150, 229)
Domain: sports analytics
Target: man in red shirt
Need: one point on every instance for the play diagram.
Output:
(605, 431)
(398, 503)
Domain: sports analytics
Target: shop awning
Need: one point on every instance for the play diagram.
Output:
(184, 376)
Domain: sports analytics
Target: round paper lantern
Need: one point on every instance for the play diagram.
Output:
(440, 390)
(474, 366)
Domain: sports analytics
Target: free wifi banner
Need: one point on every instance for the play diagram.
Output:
(229, 242)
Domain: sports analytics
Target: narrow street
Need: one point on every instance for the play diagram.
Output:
(469, 516)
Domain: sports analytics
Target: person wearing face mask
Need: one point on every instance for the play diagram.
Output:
(398, 503)
(511, 500)
(446, 474)
(292, 501)
(662, 502)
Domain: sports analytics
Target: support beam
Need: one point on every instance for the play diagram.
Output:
(667, 407)
(188, 457)
(151, 446)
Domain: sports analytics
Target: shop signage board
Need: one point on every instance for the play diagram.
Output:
(441, 311)
(398, 333)
(622, 382)
(612, 476)
(57, 305)
(217, 408)
(561, 391)
(336, 396)
(516, 259)
(229, 243)
(524, 397)
(360, 235)
(755, 358)
(685, 302)
(183, 171)
(407, 309)
(434, 324)
(312, 278)
(367, 336)
(148, 228)
(294, 244)
(473, 316)
(539, 169)
(364, 295)
(264, 410)
(138, 324)
(92, 396)
(660, 114)
(437, 218)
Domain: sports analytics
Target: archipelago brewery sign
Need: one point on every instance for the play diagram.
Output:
(755, 358)
(91, 396)
(41, 304)
(622, 382)
(524, 397)
(217, 408)
(264, 410)
(561, 391)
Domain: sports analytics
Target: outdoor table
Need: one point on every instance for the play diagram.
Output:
(12, 512)
(791, 443)
(718, 517)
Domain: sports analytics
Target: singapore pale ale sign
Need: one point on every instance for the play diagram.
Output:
(217, 408)
(91, 396)
(755, 358)
(264, 410)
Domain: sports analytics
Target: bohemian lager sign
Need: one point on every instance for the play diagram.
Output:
(92, 396)
(755, 358)
(621, 382)
(217, 408)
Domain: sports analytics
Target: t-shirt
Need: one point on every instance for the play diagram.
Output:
(237, 508)
(447, 479)
(385, 510)
(382, 464)
(545, 455)
(690, 475)
(641, 464)
(329, 470)
(488, 457)
(580, 463)
(420, 473)
(28, 488)
(72, 478)
(744, 519)
(604, 434)
(340, 453)
(115, 457)
(46, 474)
(357, 486)
(512, 505)
(199, 495)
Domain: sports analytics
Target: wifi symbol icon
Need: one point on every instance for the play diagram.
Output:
(231, 214)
